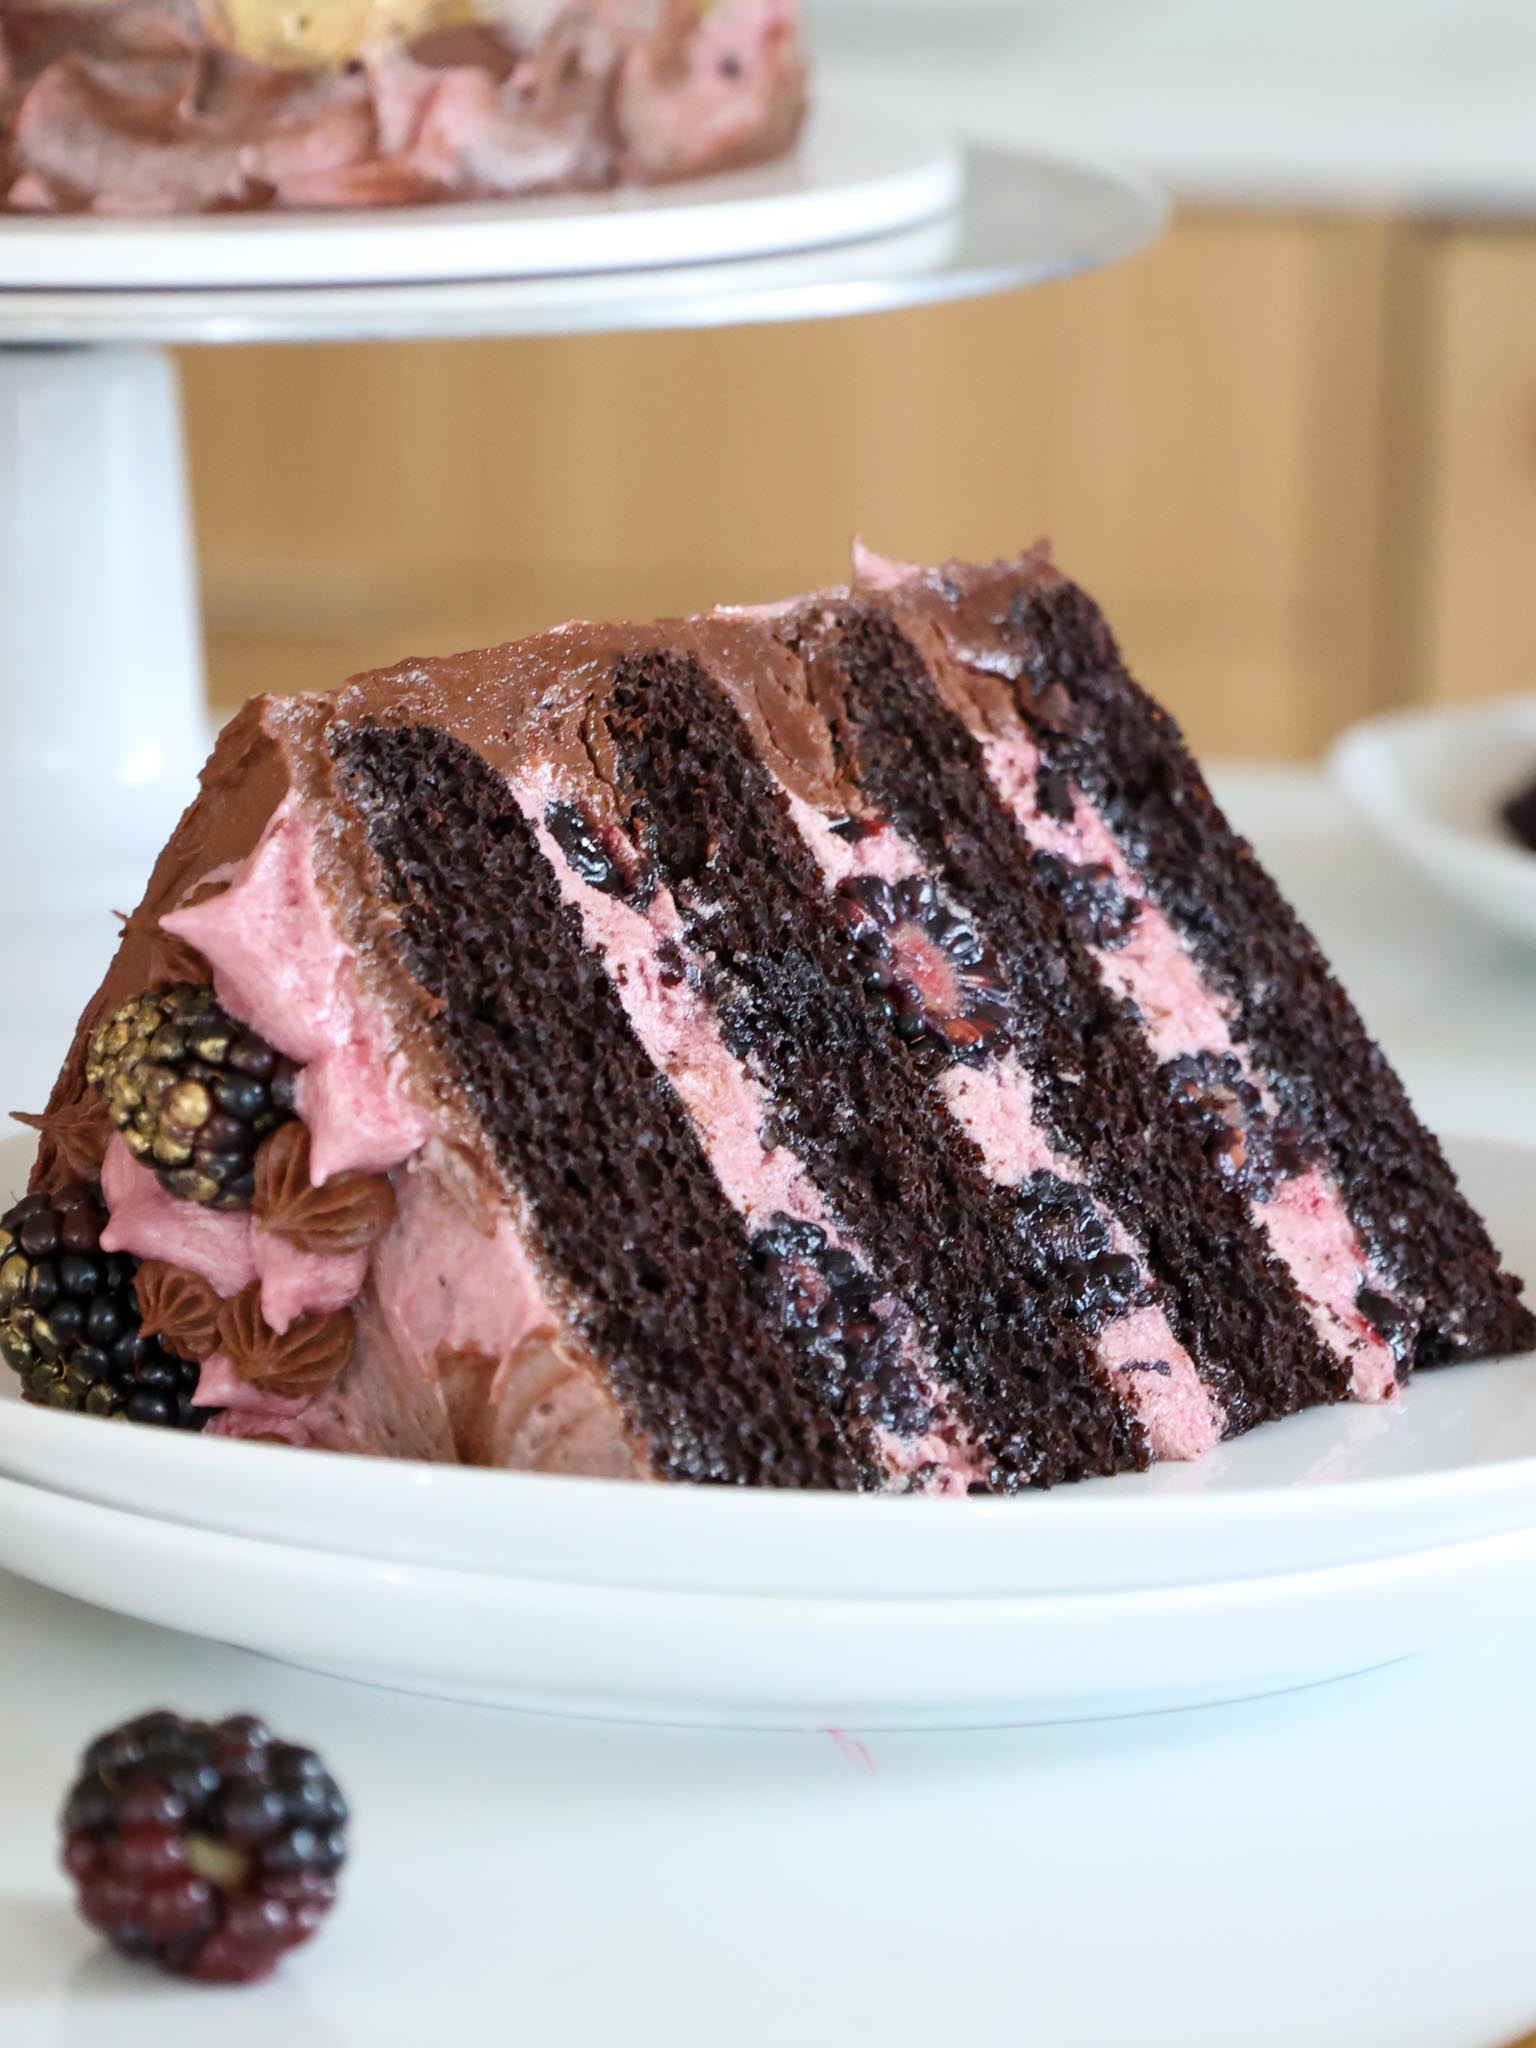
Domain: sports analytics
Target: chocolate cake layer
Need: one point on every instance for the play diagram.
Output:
(849, 1101)
(622, 1198)
(1095, 727)
(1096, 1084)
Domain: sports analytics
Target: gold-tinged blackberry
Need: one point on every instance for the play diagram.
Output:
(69, 1317)
(193, 1092)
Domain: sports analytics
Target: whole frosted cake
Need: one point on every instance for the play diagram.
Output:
(185, 106)
(836, 1045)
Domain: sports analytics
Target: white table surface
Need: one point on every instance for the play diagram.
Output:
(1347, 1867)
(1425, 105)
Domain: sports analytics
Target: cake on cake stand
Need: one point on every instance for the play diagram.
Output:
(101, 683)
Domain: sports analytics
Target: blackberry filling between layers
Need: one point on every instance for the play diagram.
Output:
(1097, 731)
(849, 1100)
(686, 1319)
(1095, 1083)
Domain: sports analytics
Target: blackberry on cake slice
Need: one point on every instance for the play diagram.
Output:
(193, 1092)
(70, 1317)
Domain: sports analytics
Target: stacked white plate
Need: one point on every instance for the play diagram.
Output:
(1327, 1544)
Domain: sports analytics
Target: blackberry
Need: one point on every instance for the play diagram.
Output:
(582, 844)
(193, 1092)
(849, 1340)
(925, 971)
(208, 1848)
(1093, 900)
(1065, 1250)
(601, 858)
(1242, 1139)
(69, 1317)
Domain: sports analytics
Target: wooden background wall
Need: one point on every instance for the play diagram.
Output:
(1295, 458)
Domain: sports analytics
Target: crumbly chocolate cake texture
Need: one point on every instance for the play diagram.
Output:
(839, 1044)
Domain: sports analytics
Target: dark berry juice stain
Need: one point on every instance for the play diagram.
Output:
(1065, 1249)
(1100, 909)
(1242, 1139)
(925, 970)
(848, 1337)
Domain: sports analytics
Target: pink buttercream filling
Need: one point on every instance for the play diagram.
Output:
(227, 1247)
(281, 966)
(994, 1105)
(1179, 1013)
(445, 1282)
(450, 1285)
(879, 851)
(726, 1104)
(1153, 1372)
(1305, 1220)
(152, 1224)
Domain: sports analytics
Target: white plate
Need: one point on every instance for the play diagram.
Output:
(750, 1661)
(1455, 1461)
(853, 175)
(1432, 784)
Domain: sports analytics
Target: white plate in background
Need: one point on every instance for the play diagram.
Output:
(1432, 784)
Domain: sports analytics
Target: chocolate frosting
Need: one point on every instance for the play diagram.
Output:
(964, 618)
(348, 1214)
(72, 1139)
(182, 1309)
(309, 1357)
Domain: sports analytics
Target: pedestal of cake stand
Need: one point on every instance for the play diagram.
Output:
(101, 685)
(101, 688)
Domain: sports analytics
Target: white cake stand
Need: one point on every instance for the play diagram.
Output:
(101, 688)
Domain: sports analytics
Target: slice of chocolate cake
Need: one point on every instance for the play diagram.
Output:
(842, 1045)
